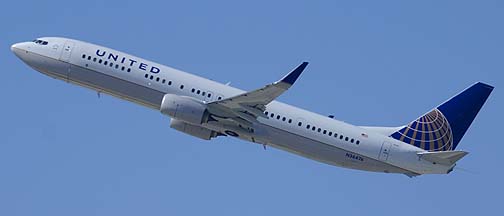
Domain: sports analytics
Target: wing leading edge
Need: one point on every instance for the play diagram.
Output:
(250, 105)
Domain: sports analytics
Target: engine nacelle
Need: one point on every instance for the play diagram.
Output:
(193, 130)
(183, 108)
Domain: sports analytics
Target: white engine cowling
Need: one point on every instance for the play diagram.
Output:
(183, 108)
(193, 130)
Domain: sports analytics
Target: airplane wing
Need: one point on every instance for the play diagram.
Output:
(246, 107)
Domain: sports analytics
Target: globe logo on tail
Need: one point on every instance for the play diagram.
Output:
(430, 132)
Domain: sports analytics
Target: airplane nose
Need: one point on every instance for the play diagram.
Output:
(17, 49)
(13, 47)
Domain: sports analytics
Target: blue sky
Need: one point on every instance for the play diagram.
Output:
(64, 151)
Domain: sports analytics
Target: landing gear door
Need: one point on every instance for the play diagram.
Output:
(385, 151)
(66, 52)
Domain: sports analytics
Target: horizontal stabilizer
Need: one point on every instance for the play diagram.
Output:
(443, 157)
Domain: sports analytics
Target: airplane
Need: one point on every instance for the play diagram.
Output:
(207, 109)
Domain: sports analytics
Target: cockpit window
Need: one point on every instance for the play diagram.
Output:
(41, 42)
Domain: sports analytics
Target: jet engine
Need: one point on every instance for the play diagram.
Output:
(193, 130)
(183, 108)
(187, 115)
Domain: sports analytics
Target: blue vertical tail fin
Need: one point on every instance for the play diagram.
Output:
(442, 128)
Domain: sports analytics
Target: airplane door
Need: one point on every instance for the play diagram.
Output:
(385, 151)
(67, 51)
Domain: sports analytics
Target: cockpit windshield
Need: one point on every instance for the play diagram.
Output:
(41, 42)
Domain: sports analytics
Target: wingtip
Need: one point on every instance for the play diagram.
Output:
(486, 85)
(293, 75)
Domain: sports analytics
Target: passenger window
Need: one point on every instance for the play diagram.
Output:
(278, 116)
(325, 131)
(358, 142)
(111, 64)
(146, 75)
(129, 70)
(330, 133)
(346, 138)
(352, 140)
(122, 68)
(193, 90)
(204, 93)
(341, 136)
(105, 63)
(319, 130)
(83, 55)
(151, 77)
(116, 66)
(307, 126)
(272, 115)
(283, 119)
(209, 95)
(181, 86)
(169, 82)
(157, 79)
(197, 92)
(100, 61)
(94, 59)
(290, 121)
(89, 58)
(313, 128)
(299, 124)
(162, 82)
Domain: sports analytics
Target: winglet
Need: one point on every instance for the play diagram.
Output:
(292, 76)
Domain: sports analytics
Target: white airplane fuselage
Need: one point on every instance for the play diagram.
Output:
(286, 127)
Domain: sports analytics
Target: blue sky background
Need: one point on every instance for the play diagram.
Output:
(64, 151)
